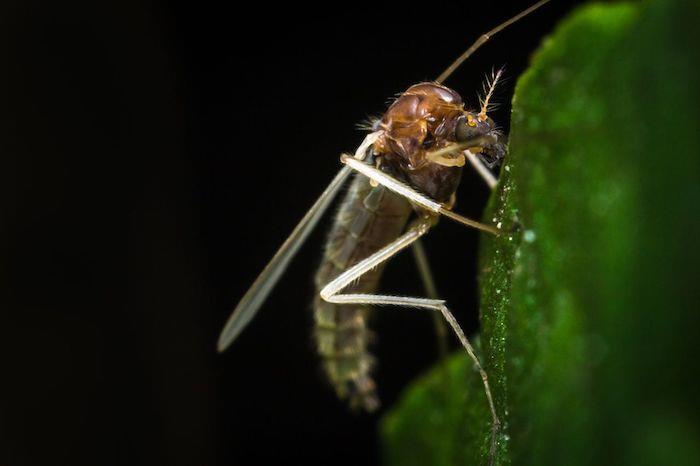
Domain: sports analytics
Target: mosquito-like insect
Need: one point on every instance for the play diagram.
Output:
(408, 165)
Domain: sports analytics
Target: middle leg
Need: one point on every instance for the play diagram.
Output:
(426, 276)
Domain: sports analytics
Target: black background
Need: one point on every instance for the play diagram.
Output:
(154, 156)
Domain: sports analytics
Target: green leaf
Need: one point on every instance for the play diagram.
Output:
(590, 322)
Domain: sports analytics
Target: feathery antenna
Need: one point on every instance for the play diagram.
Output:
(490, 84)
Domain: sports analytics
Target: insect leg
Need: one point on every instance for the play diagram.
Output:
(439, 156)
(331, 294)
(426, 275)
(484, 38)
(411, 194)
(481, 169)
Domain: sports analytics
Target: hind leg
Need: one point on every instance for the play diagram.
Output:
(332, 294)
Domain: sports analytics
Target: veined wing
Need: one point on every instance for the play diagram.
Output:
(266, 281)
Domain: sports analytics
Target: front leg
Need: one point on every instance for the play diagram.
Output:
(481, 169)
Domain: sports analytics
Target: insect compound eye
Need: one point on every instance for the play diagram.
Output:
(464, 131)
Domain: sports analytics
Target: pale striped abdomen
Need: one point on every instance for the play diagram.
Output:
(369, 219)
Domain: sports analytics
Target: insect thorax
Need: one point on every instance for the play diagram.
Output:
(424, 119)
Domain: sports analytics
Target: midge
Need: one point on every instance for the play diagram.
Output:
(409, 166)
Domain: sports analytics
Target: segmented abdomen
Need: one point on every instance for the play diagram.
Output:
(369, 219)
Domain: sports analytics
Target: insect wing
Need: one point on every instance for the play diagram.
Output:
(266, 281)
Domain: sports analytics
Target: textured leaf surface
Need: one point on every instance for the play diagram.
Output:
(590, 322)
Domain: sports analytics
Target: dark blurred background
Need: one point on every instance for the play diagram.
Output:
(154, 156)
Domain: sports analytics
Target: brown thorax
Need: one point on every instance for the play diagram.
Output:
(424, 135)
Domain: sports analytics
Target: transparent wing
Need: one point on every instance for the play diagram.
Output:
(266, 281)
